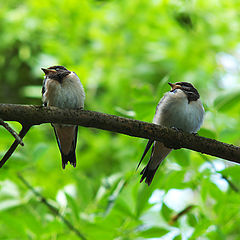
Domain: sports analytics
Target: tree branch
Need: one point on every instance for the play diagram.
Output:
(180, 214)
(34, 115)
(9, 129)
(8, 154)
(51, 207)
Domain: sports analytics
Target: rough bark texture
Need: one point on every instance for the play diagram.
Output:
(34, 115)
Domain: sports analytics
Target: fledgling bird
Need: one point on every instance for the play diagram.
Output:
(180, 108)
(62, 88)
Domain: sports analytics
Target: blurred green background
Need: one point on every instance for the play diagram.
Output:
(124, 52)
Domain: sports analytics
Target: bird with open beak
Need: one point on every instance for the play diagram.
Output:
(180, 108)
(62, 88)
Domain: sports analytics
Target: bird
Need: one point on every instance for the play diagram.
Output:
(180, 108)
(63, 89)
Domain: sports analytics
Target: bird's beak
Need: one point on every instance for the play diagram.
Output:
(174, 86)
(48, 71)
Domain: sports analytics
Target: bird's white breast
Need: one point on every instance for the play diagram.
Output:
(174, 110)
(68, 94)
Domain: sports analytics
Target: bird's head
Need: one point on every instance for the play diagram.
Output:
(57, 73)
(187, 88)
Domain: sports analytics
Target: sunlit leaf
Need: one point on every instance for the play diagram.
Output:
(154, 232)
(226, 101)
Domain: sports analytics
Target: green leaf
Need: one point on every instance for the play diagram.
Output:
(173, 179)
(166, 212)
(31, 91)
(201, 228)
(227, 101)
(192, 220)
(232, 172)
(182, 157)
(216, 234)
(154, 232)
(10, 203)
(123, 207)
(178, 237)
(204, 189)
(163, 87)
(73, 205)
(142, 199)
(207, 133)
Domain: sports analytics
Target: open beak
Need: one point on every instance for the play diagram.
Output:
(174, 86)
(48, 71)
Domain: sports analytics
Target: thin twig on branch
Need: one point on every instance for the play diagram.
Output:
(34, 115)
(230, 183)
(8, 154)
(180, 214)
(51, 207)
(14, 134)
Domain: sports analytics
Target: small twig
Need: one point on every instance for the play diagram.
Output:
(113, 197)
(14, 134)
(180, 214)
(8, 154)
(51, 207)
(230, 183)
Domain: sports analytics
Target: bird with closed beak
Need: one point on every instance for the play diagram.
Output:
(62, 88)
(180, 108)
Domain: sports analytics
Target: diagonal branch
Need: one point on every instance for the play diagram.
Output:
(8, 154)
(230, 183)
(180, 214)
(34, 115)
(14, 134)
(51, 207)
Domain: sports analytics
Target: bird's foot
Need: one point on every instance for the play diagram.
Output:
(177, 129)
(195, 134)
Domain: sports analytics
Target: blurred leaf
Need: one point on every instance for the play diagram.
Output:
(162, 87)
(154, 232)
(192, 220)
(73, 205)
(226, 101)
(200, 228)
(123, 207)
(125, 112)
(207, 133)
(166, 212)
(178, 237)
(182, 157)
(232, 172)
(10, 203)
(142, 199)
(173, 179)
(216, 234)
(145, 110)
(31, 91)
(204, 189)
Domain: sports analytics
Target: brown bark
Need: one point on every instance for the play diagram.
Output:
(34, 115)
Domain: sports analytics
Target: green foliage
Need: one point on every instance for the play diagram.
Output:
(124, 52)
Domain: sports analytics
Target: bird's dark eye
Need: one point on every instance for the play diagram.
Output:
(57, 69)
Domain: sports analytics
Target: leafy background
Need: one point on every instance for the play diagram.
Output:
(125, 52)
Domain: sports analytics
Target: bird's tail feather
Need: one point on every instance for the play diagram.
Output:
(148, 174)
(70, 157)
(159, 153)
